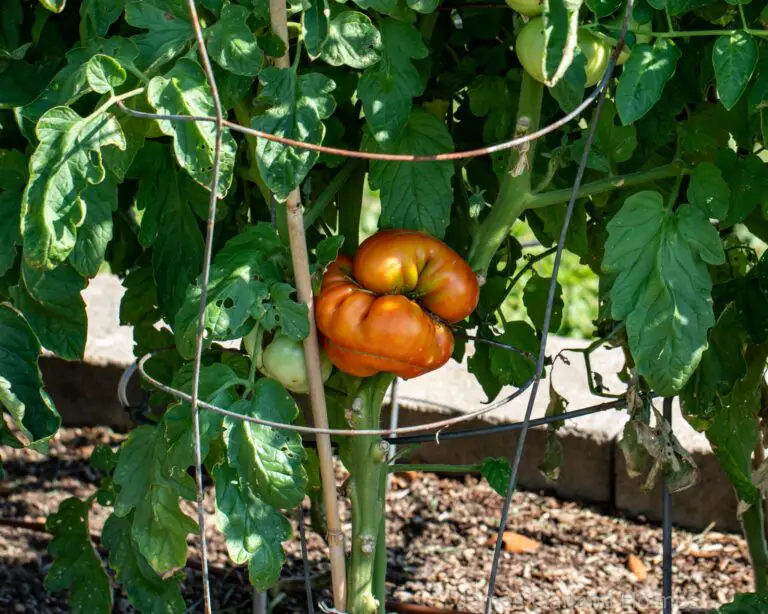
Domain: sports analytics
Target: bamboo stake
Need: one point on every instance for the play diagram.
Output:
(300, 260)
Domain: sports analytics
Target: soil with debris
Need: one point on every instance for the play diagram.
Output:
(558, 556)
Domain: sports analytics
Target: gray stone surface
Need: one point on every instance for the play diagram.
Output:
(593, 469)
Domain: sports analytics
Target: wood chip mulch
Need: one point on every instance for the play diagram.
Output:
(557, 557)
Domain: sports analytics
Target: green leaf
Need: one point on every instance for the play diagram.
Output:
(147, 591)
(139, 303)
(21, 82)
(603, 8)
(748, 182)
(21, 383)
(388, 87)
(561, 27)
(10, 234)
(734, 58)
(95, 232)
(352, 40)
(746, 603)
(511, 368)
(147, 486)
(424, 6)
(254, 531)
(414, 195)
(535, 297)
(497, 471)
(644, 77)
(612, 144)
(327, 250)
(232, 45)
(238, 281)
(55, 6)
(663, 288)
(104, 74)
(297, 104)
(569, 90)
(267, 460)
(386, 7)
(51, 303)
(708, 191)
(479, 365)
(315, 22)
(734, 431)
(76, 565)
(170, 31)
(66, 161)
(287, 313)
(490, 97)
(96, 16)
(185, 91)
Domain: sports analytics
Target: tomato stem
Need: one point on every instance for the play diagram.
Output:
(366, 461)
(753, 524)
(329, 193)
(350, 206)
(515, 189)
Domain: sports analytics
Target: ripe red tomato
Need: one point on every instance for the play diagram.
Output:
(386, 310)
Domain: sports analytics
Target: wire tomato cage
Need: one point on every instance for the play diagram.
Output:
(432, 431)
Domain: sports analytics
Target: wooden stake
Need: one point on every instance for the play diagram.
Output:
(300, 260)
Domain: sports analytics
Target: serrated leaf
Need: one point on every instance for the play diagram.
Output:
(147, 591)
(267, 460)
(497, 471)
(535, 297)
(490, 97)
(104, 74)
(414, 195)
(289, 315)
(254, 531)
(327, 250)
(95, 232)
(561, 27)
(509, 367)
(66, 161)
(734, 58)
(52, 304)
(76, 565)
(170, 31)
(231, 43)
(708, 191)
(644, 77)
(185, 91)
(352, 40)
(298, 104)
(663, 290)
(388, 87)
(159, 527)
(239, 279)
(21, 383)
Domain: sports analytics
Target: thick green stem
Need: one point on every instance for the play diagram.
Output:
(350, 204)
(515, 189)
(367, 462)
(380, 564)
(556, 197)
(753, 523)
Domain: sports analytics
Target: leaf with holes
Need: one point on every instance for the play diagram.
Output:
(66, 161)
(254, 531)
(298, 104)
(414, 196)
(185, 91)
(267, 460)
(663, 289)
(76, 565)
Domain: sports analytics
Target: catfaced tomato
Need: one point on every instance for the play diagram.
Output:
(387, 309)
(530, 51)
(283, 360)
(640, 37)
(530, 8)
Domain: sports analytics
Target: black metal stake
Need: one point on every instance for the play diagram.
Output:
(666, 530)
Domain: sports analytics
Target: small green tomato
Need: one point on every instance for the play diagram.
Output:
(530, 8)
(283, 360)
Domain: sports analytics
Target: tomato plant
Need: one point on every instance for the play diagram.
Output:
(98, 173)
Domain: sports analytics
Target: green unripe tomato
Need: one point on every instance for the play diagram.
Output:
(530, 8)
(530, 51)
(637, 28)
(283, 360)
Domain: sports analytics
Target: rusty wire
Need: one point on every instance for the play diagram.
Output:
(220, 123)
